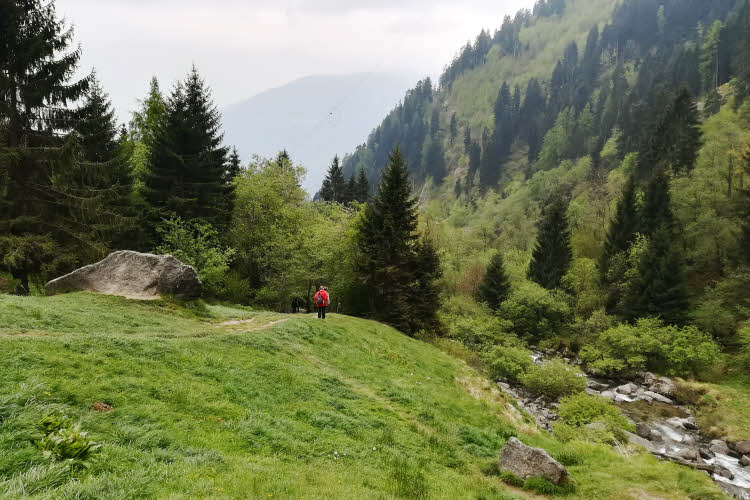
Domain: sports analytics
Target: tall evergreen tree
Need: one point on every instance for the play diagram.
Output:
(96, 125)
(334, 185)
(36, 65)
(552, 254)
(467, 139)
(624, 226)
(234, 167)
(187, 167)
(495, 287)
(657, 210)
(362, 193)
(397, 268)
(659, 286)
(454, 128)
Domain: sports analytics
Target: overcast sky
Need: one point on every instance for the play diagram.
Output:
(244, 47)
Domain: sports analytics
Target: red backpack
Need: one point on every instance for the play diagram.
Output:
(319, 300)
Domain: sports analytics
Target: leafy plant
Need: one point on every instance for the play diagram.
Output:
(554, 379)
(507, 363)
(64, 440)
(535, 312)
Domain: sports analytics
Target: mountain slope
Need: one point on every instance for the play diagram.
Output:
(267, 406)
(314, 118)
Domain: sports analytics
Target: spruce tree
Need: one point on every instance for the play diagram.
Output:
(454, 128)
(552, 254)
(36, 64)
(657, 212)
(350, 192)
(334, 185)
(362, 193)
(624, 226)
(234, 167)
(96, 125)
(396, 268)
(659, 286)
(187, 164)
(495, 287)
(467, 139)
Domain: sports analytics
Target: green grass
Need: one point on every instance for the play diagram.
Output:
(277, 407)
(722, 408)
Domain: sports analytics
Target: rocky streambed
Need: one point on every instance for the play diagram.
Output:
(664, 427)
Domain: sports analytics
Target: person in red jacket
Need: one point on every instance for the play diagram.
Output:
(321, 302)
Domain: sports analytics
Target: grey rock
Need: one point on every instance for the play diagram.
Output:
(133, 275)
(608, 394)
(643, 430)
(658, 397)
(686, 454)
(743, 447)
(719, 446)
(592, 392)
(724, 472)
(504, 386)
(597, 386)
(663, 386)
(646, 378)
(734, 454)
(637, 440)
(745, 460)
(525, 462)
(688, 440)
(706, 454)
(655, 437)
(687, 424)
(627, 389)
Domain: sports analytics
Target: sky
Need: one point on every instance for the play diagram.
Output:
(242, 47)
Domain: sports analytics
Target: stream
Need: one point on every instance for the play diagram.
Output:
(663, 426)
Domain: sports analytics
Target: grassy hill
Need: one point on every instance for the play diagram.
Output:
(211, 401)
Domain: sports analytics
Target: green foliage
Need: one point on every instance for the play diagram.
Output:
(552, 254)
(507, 363)
(495, 287)
(583, 282)
(397, 267)
(334, 184)
(64, 440)
(581, 409)
(544, 487)
(554, 379)
(197, 244)
(508, 477)
(535, 313)
(626, 349)
(743, 357)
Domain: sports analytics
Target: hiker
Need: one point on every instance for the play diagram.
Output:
(321, 302)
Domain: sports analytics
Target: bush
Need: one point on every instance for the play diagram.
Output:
(196, 244)
(474, 325)
(581, 409)
(554, 379)
(64, 440)
(744, 354)
(535, 312)
(507, 363)
(626, 349)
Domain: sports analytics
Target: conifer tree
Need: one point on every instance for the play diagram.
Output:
(149, 119)
(657, 212)
(467, 139)
(187, 165)
(350, 192)
(362, 193)
(552, 254)
(334, 185)
(397, 269)
(454, 128)
(234, 166)
(495, 287)
(624, 226)
(36, 64)
(659, 286)
(96, 125)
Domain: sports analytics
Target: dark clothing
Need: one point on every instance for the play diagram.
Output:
(322, 312)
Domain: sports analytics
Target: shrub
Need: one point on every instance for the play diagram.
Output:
(554, 379)
(581, 409)
(507, 363)
(509, 478)
(626, 349)
(473, 325)
(535, 312)
(744, 354)
(64, 440)
(196, 244)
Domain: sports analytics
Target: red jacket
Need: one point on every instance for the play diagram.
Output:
(323, 294)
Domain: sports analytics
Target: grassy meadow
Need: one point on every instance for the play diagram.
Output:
(212, 401)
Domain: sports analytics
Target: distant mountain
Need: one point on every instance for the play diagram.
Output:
(314, 118)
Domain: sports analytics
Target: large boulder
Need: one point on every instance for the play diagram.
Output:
(525, 462)
(743, 447)
(133, 275)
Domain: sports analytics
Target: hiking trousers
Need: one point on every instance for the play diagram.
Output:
(322, 312)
